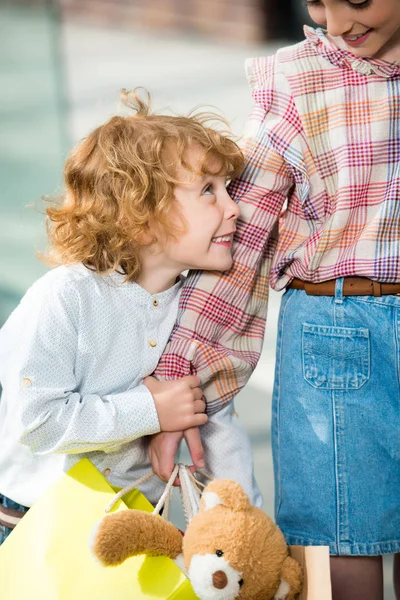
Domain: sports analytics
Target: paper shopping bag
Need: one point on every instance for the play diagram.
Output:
(48, 556)
(316, 568)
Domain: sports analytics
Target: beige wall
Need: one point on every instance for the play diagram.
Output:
(235, 20)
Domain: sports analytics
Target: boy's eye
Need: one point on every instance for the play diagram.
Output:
(208, 189)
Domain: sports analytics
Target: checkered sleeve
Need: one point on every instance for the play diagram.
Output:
(221, 320)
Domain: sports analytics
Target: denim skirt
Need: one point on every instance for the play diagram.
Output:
(336, 422)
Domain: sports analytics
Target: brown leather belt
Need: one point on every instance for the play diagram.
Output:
(352, 286)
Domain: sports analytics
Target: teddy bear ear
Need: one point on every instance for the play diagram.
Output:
(210, 500)
(226, 492)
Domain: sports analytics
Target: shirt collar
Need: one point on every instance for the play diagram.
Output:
(344, 58)
(142, 296)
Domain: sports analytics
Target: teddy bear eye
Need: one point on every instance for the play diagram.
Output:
(219, 553)
(241, 582)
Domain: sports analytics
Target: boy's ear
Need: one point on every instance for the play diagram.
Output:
(147, 237)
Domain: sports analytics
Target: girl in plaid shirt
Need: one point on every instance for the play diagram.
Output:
(320, 216)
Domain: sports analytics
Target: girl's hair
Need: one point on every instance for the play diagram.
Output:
(122, 176)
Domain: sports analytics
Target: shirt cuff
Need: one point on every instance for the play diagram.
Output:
(139, 414)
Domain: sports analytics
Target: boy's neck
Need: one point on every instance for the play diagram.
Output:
(155, 276)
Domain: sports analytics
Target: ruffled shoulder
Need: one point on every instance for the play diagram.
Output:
(276, 116)
(260, 72)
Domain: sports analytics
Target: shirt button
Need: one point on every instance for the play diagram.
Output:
(152, 343)
(107, 472)
(26, 382)
(155, 302)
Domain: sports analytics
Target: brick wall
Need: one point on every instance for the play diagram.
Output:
(236, 20)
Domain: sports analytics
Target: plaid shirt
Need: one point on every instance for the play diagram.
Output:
(319, 198)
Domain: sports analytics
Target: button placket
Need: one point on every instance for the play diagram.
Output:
(152, 339)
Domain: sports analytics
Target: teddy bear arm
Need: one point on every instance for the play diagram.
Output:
(292, 574)
(132, 532)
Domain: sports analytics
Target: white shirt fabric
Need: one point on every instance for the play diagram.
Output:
(73, 356)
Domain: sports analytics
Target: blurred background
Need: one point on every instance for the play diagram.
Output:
(62, 64)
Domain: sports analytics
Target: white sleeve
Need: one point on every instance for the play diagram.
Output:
(227, 451)
(53, 416)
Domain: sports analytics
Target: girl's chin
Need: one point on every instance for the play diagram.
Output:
(224, 266)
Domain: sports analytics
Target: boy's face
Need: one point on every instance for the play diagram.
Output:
(368, 28)
(209, 216)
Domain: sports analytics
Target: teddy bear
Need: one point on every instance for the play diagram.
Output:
(231, 549)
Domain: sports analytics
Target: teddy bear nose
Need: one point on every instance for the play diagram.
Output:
(219, 580)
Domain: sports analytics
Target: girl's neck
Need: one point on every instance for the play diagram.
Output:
(390, 53)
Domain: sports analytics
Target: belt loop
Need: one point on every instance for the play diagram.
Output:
(339, 290)
(377, 289)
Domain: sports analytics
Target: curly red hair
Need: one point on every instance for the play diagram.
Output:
(121, 177)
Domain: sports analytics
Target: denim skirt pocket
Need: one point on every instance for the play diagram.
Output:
(335, 358)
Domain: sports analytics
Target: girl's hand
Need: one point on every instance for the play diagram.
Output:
(163, 448)
(179, 403)
(162, 451)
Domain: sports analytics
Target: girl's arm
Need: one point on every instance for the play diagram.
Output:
(221, 321)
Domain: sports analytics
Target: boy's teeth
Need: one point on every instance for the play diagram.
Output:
(223, 238)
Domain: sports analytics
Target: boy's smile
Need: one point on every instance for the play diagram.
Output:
(209, 215)
(206, 216)
(224, 240)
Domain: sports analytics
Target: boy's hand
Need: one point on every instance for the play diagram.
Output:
(179, 403)
(163, 447)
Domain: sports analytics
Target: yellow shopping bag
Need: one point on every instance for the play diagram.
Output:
(48, 557)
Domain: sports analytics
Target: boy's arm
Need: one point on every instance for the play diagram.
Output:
(221, 320)
(54, 417)
(228, 453)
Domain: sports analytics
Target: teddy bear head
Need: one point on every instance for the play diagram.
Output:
(233, 550)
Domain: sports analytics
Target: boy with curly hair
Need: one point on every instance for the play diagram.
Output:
(145, 200)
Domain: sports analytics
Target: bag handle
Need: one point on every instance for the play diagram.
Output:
(190, 490)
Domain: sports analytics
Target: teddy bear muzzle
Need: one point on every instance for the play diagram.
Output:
(213, 578)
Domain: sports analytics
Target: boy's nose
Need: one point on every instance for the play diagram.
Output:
(232, 210)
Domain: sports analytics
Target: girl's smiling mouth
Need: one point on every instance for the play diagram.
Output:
(357, 40)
